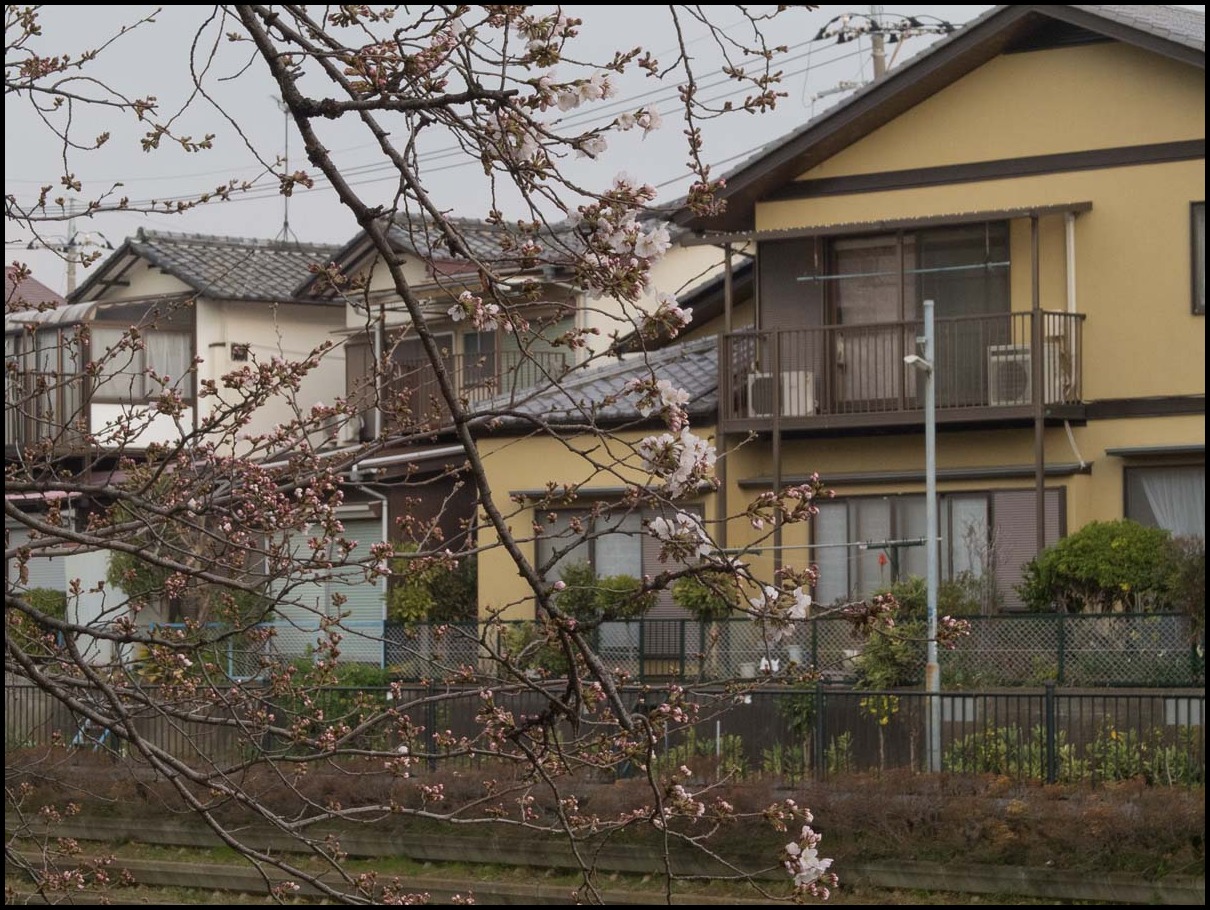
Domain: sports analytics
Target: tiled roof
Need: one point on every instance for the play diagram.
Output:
(692, 366)
(234, 268)
(490, 243)
(1173, 23)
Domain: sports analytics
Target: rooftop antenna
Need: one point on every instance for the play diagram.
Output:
(285, 234)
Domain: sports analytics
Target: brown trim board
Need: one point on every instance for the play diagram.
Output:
(1160, 406)
(1033, 165)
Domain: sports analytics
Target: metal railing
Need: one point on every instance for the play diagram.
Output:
(849, 373)
(477, 378)
(45, 406)
(787, 734)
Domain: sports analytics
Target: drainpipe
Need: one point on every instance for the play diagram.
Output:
(355, 476)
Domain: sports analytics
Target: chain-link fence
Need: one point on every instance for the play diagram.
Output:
(1117, 649)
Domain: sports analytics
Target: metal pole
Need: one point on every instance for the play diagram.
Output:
(932, 670)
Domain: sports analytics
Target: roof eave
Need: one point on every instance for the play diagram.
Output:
(900, 90)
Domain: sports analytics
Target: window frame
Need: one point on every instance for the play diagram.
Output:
(1133, 469)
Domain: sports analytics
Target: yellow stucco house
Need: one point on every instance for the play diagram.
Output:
(1040, 176)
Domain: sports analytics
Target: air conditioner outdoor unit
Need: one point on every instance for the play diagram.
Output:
(797, 394)
(350, 430)
(1010, 374)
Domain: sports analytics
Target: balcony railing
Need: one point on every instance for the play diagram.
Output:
(416, 394)
(44, 406)
(855, 375)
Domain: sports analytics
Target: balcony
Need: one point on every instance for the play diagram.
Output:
(413, 395)
(841, 377)
(44, 408)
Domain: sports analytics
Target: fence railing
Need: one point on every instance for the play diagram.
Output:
(789, 734)
(1073, 650)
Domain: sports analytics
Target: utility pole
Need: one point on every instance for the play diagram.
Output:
(69, 246)
(876, 42)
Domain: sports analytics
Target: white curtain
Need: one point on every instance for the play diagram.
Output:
(1177, 497)
(168, 355)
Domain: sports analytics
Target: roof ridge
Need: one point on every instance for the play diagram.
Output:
(152, 234)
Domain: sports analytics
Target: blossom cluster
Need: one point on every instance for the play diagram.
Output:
(780, 609)
(682, 538)
(486, 317)
(683, 460)
(801, 859)
(663, 397)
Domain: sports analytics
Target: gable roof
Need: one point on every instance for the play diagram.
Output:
(577, 397)
(1170, 31)
(233, 268)
(490, 243)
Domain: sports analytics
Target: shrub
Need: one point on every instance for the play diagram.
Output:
(894, 658)
(1189, 581)
(35, 637)
(434, 591)
(708, 598)
(610, 598)
(1106, 565)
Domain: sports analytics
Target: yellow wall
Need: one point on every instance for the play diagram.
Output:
(1132, 257)
(144, 281)
(1038, 103)
(529, 463)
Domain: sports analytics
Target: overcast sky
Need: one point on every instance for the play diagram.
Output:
(155, 60)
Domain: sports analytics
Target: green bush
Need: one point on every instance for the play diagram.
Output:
(1189, 581)
(1104, 566)
(607, 599)
(204, 602)
(708, 598)
(531, 646)
(436, 593)
(34, 636)
(1011, 752)
(894, 658)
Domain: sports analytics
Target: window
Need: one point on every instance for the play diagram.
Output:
(479, 366)
(1199, 258)
(869, 292)
(1169, 497)
(863, 544)
(612, 543)
(123, 372)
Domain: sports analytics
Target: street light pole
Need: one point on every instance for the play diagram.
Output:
(932, 670)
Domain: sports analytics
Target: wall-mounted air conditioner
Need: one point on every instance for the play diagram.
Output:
(350, 431)
(797, 394)
(1010, 374)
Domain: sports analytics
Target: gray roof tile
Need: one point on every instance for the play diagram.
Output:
(1182, 26)
(235, 268)
(692, 366)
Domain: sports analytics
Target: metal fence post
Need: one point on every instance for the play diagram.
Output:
(820, 766)
(642, 651)
(430, 723)
(682, 647)
(815, 643)
(1062, 648)
(1051, 735)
